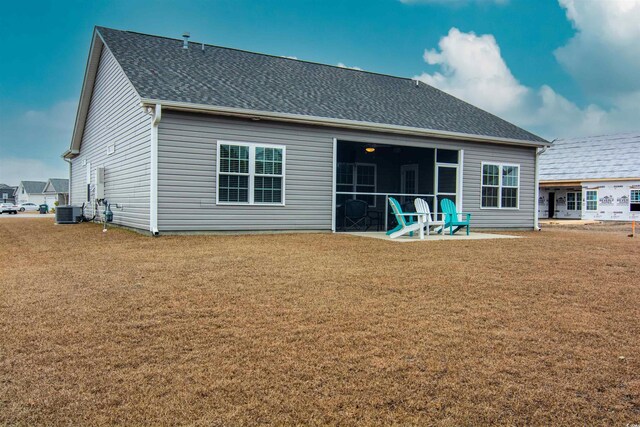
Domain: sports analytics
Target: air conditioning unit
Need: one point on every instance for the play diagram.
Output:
(68, 214)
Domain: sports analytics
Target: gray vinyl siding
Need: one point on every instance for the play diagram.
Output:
(187, 174)
(115, 117)
(523, 217)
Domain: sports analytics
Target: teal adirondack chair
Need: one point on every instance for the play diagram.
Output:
(406, 223)
(452, 218)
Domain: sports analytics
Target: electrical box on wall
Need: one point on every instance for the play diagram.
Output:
(100, 183)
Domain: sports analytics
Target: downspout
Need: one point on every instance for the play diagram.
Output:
(539, 151)
(156, 114)
(68, 161)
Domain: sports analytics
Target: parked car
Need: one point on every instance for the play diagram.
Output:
(28, 207)
(8, 208)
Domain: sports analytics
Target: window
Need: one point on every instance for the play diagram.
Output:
(592, 200)
(634, 199)
(268, 175)
(500, 186)
(574, 201)
(356, 178)
(250, 173)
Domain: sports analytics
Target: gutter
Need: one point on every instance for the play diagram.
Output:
(341, 123)
(156, 114)
(70, 154)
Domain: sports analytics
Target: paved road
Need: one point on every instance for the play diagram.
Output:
(26, 215)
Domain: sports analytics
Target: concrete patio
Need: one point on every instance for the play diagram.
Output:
(432, 237)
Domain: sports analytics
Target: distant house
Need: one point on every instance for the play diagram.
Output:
(591, 178)
(30, 191)
(182, 136)
(56, 190)
(6, 193)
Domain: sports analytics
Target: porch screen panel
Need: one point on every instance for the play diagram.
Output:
(366, 182)
(447, 156)
(344, 181)
(447, 179)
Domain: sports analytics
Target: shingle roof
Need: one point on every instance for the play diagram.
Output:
(31, 187)
(159, 68)
(60, 185)
(596, 157)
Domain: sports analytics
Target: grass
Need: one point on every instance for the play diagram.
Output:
(119, 328)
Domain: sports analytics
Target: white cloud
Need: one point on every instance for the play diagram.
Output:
(471, 67)
(16, 169)
(341, 65)
(604, 54)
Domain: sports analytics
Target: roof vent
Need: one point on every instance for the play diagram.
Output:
(186, 35)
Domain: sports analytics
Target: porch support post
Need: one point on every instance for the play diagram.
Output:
(461, 179)
(333, 184)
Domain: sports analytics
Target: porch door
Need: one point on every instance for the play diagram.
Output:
(408, 180)
(446, 183)
(552, 205)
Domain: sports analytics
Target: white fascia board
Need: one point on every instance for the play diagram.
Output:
(90, 73)
(341, 123)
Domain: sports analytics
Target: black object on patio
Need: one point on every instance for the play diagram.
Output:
(356, 215)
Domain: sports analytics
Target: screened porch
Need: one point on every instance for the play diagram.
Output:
(368, 174)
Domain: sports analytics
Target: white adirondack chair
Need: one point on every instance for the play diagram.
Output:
(405, 223)
(422, 207)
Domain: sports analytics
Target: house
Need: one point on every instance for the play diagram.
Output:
(183, 136)
(30, 192)
(6, 193)
(56, 190)
(596, 177)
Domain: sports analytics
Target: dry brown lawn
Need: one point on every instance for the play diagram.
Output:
(120, 328)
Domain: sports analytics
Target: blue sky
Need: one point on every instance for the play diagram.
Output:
(547, 65)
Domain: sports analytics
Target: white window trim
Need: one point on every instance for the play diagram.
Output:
(252, 172)
(576, 200)
(586, 201)
(500, 186)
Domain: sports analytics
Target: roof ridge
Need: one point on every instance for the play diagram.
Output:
(411, 79)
